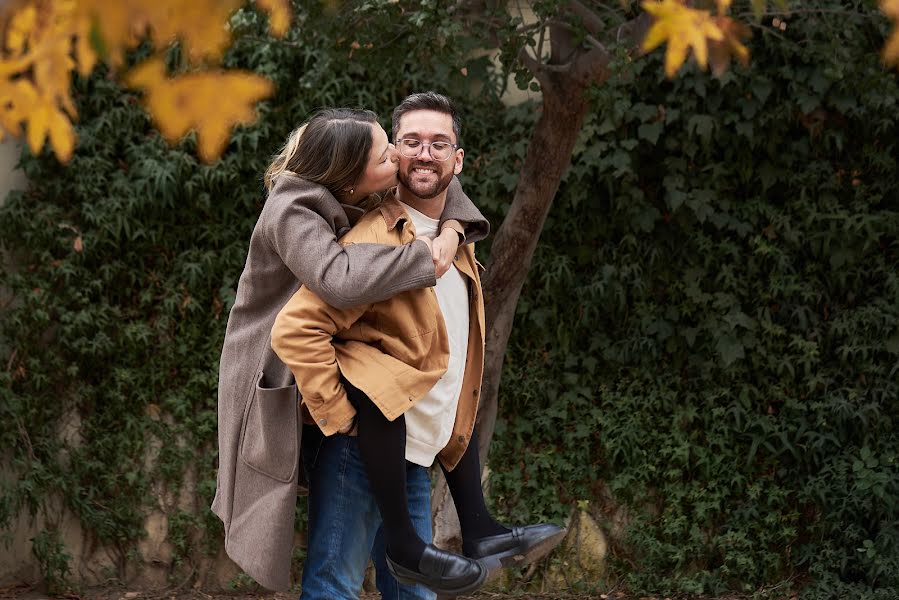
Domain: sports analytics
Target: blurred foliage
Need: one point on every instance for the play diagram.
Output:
(708, 340)
(43, 41)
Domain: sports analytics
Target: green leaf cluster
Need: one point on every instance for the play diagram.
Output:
(707, 339)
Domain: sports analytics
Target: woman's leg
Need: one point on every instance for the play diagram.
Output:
(464, 483)
(343, 518)
(482, 537)
(382, 444)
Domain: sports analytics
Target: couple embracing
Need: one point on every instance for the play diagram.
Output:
(353, 359)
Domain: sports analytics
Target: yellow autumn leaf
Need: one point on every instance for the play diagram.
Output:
(45, 119)
(20, 29)
(116, 23)
(211, 103)
(279, 15)
(890, 52)
(161, 99)
(721, 52)
(17, 98)
(38, 123)
(202, 25)
(62, 136)
(682, 28)
(85, 55)
(53, 72)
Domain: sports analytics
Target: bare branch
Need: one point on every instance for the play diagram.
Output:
(540, 42)
(596, 43)
(529, 28)
(532, 64)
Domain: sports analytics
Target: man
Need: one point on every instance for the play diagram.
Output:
(411, 364)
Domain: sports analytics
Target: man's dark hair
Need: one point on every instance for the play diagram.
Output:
(428, 101)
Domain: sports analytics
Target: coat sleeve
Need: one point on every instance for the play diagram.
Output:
(344, 276)
(460, 208)
(302, 337)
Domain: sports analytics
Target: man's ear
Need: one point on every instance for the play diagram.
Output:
(459, 159)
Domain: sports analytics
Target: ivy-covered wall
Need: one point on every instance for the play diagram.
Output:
(709, 338)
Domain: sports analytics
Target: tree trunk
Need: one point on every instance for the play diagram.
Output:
(512, 252)
(549, 154)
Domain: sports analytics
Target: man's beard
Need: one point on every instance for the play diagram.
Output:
(424, 191)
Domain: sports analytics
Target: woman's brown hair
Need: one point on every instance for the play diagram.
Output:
(331, 149)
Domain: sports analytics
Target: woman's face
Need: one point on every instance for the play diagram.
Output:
(383, 163)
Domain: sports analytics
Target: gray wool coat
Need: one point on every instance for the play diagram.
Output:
(259, 418)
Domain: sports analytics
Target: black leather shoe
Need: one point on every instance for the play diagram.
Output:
(519, 547)
(445, 573)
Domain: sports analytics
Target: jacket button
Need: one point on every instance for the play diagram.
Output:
(461, 439)
(475, 392)
(411, 399)
(457, 257)
(323, 422)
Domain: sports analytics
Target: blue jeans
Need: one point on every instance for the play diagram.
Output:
(345, 524)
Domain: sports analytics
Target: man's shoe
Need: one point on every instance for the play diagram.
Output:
(445, 573)
(521, 546)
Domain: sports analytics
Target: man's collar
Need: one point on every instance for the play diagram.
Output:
(391, 210)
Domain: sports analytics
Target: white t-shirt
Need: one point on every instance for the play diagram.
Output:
(429, 423)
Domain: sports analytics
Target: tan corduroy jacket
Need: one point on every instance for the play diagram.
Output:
(394, 350)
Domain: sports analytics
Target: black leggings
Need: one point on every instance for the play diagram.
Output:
(382, 445)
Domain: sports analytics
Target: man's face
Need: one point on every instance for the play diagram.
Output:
(424, 176)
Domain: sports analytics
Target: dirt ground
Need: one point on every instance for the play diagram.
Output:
(121, 593)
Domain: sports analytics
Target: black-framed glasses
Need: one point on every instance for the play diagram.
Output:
(412, 148)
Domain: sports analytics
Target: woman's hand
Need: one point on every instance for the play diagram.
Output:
(348, 427)
(443, 250)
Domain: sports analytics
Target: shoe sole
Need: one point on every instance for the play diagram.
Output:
(441, 591)
(495, 563)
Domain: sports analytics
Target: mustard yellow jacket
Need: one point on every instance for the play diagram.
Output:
(394, 350)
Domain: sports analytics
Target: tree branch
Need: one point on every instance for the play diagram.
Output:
(531, 64)
(594, 64)
(596, 43)
(539, 52)
(591, 20)
(634, 31)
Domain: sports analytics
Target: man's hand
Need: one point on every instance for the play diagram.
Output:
(444, 249)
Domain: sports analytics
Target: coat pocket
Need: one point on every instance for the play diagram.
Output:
(269, 441)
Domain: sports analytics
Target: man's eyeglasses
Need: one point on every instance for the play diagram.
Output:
(411, 148)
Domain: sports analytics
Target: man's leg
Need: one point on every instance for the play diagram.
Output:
(343, 518)
(419, 493)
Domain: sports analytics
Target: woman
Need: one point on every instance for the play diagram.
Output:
(315, 184)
